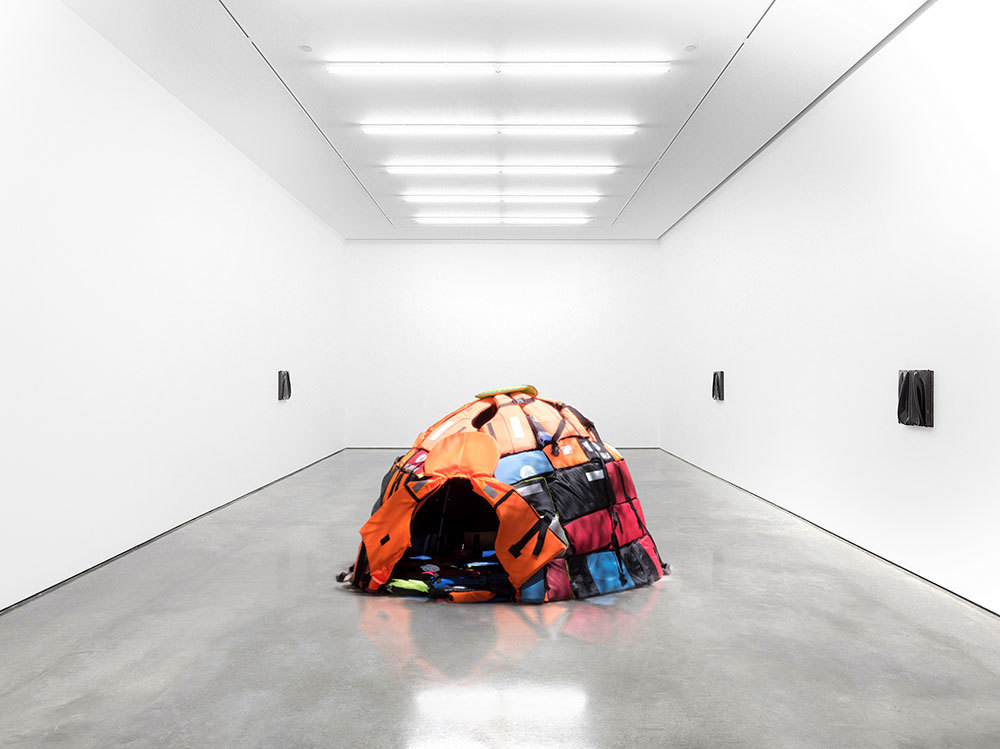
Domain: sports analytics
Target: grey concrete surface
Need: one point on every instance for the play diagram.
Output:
(231, 632)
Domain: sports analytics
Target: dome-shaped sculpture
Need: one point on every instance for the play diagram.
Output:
(511, 497)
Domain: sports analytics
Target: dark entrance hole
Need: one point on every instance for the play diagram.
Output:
(453, 522)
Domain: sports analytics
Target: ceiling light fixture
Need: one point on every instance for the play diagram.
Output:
(502, 220)
(449, 129)
(517, 169)
(519, 221)
(497, 199)
(481, 220)
(483, 67)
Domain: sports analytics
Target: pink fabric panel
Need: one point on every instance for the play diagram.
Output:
(626, 479)
(557, 580)
(590, 532)
(617, 481)
(638, 508)
(416, 463)
(629, 528)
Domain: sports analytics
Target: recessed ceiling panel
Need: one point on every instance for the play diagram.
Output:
(521, 120)
(490, 67)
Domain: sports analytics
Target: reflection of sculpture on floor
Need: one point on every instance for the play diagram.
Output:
(413, 644)
(511, 497)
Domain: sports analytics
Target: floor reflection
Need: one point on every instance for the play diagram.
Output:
(528, 715)
(462, 664)
(412, 641)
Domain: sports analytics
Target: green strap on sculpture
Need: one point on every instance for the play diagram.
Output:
(529, 389)
(405, 586)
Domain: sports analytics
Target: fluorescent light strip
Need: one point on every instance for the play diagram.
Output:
(543, 221)
(601, 130)
(477, 169)
(497, 199)
(483, 68)
(500, 220)
(478, 221)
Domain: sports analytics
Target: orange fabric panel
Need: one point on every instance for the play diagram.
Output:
(453, 423)
(578, 425)
(491, 489)
(571, 418)
(396, 476)
(497, 429)
(569, 453)
(470, 596)
(466, 454)
(405, 457)
(549, 418)
(510, 428)
(386, 534)
(517, 518)
(614, 453)
(522, 435)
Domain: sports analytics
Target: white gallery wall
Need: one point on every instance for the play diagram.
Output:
(863, 241)
(152, 282)
(433, 323)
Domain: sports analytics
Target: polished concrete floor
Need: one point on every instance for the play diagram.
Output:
(231, 632)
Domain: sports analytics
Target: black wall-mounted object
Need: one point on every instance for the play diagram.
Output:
(718, 386)
(284, 385)
(916, 397)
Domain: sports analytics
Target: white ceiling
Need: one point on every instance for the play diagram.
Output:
(740, 70)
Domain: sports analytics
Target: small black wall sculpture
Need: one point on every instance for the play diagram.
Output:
(284, 385)
(916, 397)
(718, 386)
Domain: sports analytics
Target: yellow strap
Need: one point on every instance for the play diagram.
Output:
(529, 389)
